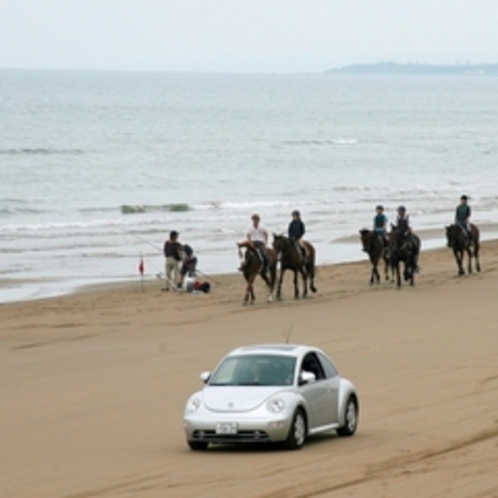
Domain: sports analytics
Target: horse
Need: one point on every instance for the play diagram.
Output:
(459, 241)
(291, 258)
(375, 248)
(400, 251)
(252, 266)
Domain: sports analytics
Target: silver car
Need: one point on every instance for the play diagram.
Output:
(270, 393)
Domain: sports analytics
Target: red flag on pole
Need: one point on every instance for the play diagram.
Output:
(141, 266)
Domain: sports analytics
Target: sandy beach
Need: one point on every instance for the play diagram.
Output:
(93, 387)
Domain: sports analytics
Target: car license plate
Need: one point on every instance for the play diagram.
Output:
(226, 428)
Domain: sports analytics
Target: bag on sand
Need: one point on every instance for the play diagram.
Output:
(203, 287)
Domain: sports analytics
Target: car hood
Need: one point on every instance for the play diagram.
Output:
(237, 398)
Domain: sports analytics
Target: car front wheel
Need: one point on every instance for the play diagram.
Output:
(297, 432)
(350, 418)
(197, 445)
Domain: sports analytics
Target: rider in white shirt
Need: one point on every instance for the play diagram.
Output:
(257, 236)
(257, 233)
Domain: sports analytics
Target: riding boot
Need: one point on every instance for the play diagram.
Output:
(304, 257)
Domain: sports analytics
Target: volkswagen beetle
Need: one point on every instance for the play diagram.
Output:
(280, 393)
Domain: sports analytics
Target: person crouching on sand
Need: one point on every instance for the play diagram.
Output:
(172, 253)
(189, 264)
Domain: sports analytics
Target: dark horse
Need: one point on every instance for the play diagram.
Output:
(291, 258)
(401, 251)
(253, 266)
(459, 241)
(374, 246)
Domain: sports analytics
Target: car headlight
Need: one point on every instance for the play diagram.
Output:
(275, 405)
(192, 405)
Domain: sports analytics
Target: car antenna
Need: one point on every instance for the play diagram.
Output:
(289, 334)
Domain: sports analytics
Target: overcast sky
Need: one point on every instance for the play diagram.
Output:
(243, 35)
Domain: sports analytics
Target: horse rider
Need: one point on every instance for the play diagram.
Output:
(189, 264)
(257, 236)
(172, 252)
(462, 217)
(296, 232)
(404, 227)
(380, 224)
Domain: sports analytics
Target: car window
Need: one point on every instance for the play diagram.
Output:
(330, 370)
(255, 370)
(312, 364)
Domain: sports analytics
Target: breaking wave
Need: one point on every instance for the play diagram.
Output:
(318, 141)
(144, 208)
(38, 150)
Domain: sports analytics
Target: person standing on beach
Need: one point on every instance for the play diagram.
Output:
(257, 236)
(296, 233)
(172, 253)
(462, 217)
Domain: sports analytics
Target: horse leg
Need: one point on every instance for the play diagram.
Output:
(459, 259)
(279, 285)
(311, 273)
(296, 286)
(268, 284)
(386, 269)
(372, 273)
(246, 296)
(273, 278)
(398, 275)
(469, 255)
(304, 274)
(476, 256)
(249, 291)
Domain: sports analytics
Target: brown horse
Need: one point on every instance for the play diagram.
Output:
(374, 246)
(459, 241)
(252, 266)
(291, 258)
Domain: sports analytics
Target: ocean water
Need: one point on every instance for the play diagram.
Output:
(97, 167)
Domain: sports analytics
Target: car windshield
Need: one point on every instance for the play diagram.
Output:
(255, 370)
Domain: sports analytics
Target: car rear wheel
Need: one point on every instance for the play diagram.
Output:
(197, 445)
(297, 432)
(350, 418)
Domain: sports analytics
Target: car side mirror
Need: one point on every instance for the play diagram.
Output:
(205, 376)
(307, 378)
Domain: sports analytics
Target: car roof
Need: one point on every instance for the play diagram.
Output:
(284, 349)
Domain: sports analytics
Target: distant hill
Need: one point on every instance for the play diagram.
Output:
(418, 69)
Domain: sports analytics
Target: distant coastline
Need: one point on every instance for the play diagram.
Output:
(392, 68)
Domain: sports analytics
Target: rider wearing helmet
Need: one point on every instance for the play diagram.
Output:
(380, 223)
(403, 222)
(296, 232)
(403, 225)
(257, 236)
(462, 216)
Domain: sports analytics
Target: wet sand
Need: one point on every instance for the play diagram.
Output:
(93, 387)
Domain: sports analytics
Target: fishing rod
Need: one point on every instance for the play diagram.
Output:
(143, 239)
(208, 277)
